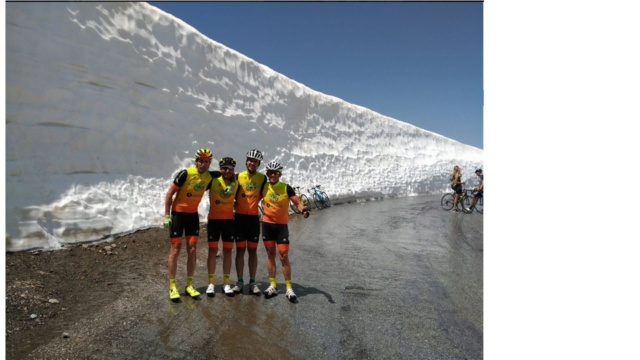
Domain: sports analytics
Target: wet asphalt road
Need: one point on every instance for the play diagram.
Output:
(398, 278)
(391, 279)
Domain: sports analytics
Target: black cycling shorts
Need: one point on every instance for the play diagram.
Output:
(184, 223)
(218, 228)
(277, 232)
(247, 227)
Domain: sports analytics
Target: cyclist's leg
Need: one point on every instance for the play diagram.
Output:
(447, 201)
(228, 242)
(283, 252)
(175, 235)
(269, 236)
(480, 203)
(241, 243)
(213, 236)
(466, 206)
(473, 201)
(456, 199)
(192, 232)
(253, 236)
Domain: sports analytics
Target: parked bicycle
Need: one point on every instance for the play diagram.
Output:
(303, 199)
(320, 198)
(464, 201)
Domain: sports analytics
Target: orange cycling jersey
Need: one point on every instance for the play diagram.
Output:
(276, 202)
(221, 199)
(249, 193)
(192, 186)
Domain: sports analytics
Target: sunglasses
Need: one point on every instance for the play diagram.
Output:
(271, 172)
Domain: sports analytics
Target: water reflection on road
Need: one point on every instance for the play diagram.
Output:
(398, 278)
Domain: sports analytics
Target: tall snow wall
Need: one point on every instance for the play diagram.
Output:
(106, 101)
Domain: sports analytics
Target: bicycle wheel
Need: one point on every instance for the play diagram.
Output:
(447, 201)
(293, 207)
(465, 204)
(480, 205)
(325, 198)
(317, 201)
(305, 201)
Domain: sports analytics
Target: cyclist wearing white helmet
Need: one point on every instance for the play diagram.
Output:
(275, 231)
(247, 221)
(220, 222)
(181, 217)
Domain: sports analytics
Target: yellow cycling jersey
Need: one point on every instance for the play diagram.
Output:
(221, 199)
(249, 194)
(191, 191)
(276, 203)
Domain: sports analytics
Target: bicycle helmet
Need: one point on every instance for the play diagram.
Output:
(254, 154)
(478, 170)
(274, 165)
(227, 162)
(203, 154)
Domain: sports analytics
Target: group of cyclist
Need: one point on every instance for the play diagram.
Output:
(456, 185)
(233, 217)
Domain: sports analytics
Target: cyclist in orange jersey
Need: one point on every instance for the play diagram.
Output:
(247, 222)
(181, 217)
(276, 196)
(222, 193)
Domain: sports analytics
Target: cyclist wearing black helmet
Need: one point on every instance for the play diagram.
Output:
(478, 190)
(220, 222)
(181, 217)
(247, 223)
(275, 230)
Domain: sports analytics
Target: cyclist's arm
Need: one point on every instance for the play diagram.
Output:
(168, 199)
(264, 182)
(179, 180)
(294, 198)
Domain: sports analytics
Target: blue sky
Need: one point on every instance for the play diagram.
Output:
(418, 62)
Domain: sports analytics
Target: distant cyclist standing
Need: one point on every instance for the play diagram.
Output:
(275, 230)
(247, 223)
(478, 190)
(181, 217)
(456, 185)
(220, 222)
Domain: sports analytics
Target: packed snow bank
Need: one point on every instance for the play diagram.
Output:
(107, 101)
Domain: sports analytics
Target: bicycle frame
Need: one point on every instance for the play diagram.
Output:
(448, 200)
(320, 198)
(316, 193)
